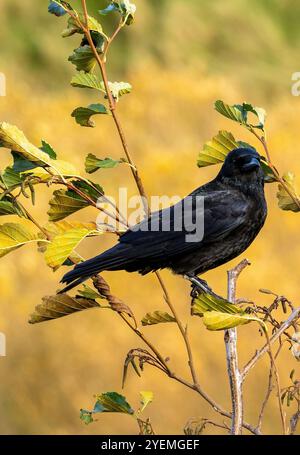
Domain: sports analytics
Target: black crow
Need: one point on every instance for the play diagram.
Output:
(234, 213)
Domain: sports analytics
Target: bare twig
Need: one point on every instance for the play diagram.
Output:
(270, 388)
(284, 326)
(230, 338)
(275, 369)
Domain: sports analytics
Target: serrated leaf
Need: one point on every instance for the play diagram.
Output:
(239, 113)
(57, 306)
(13, 236)
(157, 317)
(119, 89)
(219, 314)
(63, 244)
(285, 202)
(14, 139)
(92, 163)
(216, 320)
(83, 57)
(73, 27)
(112, 402)
(216, 150)
(63, 204)
(206, 302)
(83, 115)
(87, 80)
(146, 398)
(93, 190)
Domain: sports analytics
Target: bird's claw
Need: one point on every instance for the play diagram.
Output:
(199, 286)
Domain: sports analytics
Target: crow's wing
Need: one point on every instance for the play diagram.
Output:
(224, 211)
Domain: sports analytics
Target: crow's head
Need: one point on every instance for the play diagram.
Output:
(242, 163)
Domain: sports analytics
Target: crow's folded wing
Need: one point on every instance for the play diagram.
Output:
(224, 211)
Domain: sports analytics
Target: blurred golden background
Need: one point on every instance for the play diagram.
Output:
(180, 57)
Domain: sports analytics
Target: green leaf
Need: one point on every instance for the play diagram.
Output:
(73, 28)
(10, 178)
(87, 80)
(285, 202)
(219, 314)
(107, 402)
(14, 139)
(21, 164)
(10, 207)
(13, 236)
(89, 293)
(92, 163)
(86, 416)
(48, 149)
(119, 89)
(156, 318)
(63, 204)
(206, 302)
(83, 115)
(146, 398)
(62, 168)
(83, 57)
(91, 189)
(113, 402)
(239, 113)
(216, 320)
(57, 306)
(63, 244)
(216, 150)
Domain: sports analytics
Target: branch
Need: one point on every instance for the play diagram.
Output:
(284, 326)
(135, 173)
(230, 339)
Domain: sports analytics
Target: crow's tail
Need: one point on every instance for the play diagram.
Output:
(114, 259)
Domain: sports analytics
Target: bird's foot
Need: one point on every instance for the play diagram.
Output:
(198, 286)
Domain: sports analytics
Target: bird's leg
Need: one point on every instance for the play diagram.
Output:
(198, 285)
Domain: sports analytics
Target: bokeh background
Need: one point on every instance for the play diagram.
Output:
(180, 57)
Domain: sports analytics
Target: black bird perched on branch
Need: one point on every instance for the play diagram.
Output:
(234, 213)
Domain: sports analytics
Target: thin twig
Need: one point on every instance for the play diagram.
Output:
(282, 415)
(270, 388)
(284, 326)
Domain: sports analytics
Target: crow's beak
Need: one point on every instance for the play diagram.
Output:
(252, 164)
